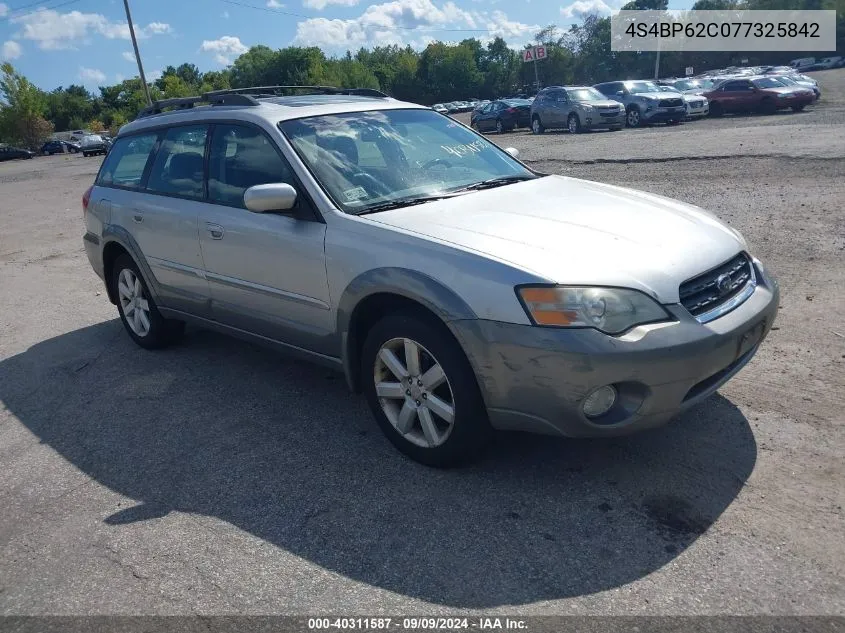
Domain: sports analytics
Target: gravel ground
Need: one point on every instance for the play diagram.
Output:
(217, 477)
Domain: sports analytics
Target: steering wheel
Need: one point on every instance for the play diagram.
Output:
(437, 161)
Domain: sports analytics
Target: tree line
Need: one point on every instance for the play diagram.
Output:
(441, 72)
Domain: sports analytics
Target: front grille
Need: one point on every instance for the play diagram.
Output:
(671, 103)
(703, 293)
(696, 104)
(610, 114)
(608, 107)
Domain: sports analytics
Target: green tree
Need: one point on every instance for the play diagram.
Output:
(22, 109)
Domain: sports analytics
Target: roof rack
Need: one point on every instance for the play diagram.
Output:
(249, 96)
(182, 103)
(275, 91)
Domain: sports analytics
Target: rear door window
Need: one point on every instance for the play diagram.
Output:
(178, 166)
(124, 165)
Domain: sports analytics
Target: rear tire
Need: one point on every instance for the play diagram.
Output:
(144, 322)
(616, 129)
(798, 108)
(536, 125)
(716, 109)
(85, 154)
(768, 106)
(415, 415)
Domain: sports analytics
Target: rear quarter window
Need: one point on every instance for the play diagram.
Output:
(124, 165)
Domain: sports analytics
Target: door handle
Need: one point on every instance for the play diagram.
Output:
(216, 231)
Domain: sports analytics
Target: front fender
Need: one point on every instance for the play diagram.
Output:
(404, 282)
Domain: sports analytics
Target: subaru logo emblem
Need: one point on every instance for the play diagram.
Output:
(723, 283)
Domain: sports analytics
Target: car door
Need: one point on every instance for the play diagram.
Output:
(266, 271)
(161, 212)
(487, 120)
(563, 106)
(735, 95)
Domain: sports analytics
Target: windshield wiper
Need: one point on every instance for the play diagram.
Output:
(496, 182)
(405, 202)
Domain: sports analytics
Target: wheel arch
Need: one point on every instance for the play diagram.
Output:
(116, 241)
(376, 293)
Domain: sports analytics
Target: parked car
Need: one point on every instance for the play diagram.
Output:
(794, 81)
(59, 147)
(93, 144)
(763, 94)
(439, 107)
(12, 153)
(645, 102)
(837, 61)
(503, 115)
(575, 108)
(380, 239)
(803, 63)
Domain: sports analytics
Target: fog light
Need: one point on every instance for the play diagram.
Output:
(599, 402)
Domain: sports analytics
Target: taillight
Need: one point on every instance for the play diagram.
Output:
(511, 110)
(85, 198)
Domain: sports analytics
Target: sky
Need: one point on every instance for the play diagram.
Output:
(62, 42)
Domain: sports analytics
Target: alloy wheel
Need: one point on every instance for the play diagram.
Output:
(414, 392)
(633, 118)
(535, 125)
(136, 308)
(499, 127)
(573, 124)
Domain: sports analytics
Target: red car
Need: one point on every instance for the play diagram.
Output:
(762, 94)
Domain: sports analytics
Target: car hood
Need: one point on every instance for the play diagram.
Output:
(571, 231)
(693, 96)
(665, 94)
(601, 103)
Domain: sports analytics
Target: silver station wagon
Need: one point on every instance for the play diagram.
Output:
(460, 290)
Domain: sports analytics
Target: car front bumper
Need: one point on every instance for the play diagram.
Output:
(596, 120)
(695, 111)
(658, 115)
(536, 379)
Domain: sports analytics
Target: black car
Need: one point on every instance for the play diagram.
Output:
(503, 115)
(11, 153)
(58, 147)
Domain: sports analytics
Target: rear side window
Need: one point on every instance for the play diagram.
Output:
(125, 163)
(178, 166)
(239, 158)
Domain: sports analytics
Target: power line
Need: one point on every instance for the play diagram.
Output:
(308, 17)
(10, 16)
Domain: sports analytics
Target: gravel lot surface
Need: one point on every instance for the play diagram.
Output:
(216, 477)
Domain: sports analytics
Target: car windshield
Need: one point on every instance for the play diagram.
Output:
(767, 82)
(517, 102)
(370, 159)
(639, 87)
(786, 81)
(586, 94)
(93, 138)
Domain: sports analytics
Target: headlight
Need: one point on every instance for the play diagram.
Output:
(611, 310)
(587, 107)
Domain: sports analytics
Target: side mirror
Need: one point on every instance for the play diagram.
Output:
(277, 196)
(512, 151)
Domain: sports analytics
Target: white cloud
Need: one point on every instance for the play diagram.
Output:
(225, 15)
(158, 28)
(319, 5)
(4, 9)
(580, 8)
(128, 56)
(92, 75)
(499, 24)
(118, 78)
(275, 4)
(224, 48)
(386, 23)
(59, 31)
(11, 50)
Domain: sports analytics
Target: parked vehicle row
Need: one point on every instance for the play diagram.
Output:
(89, 145)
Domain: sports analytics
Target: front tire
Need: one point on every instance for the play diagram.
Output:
(422, 391)
(798, 108)
(138, 311)
(573, 124)
(633, 119)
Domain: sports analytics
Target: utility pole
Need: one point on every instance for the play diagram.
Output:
(536, 76)
(137, 54)
(656, 62)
